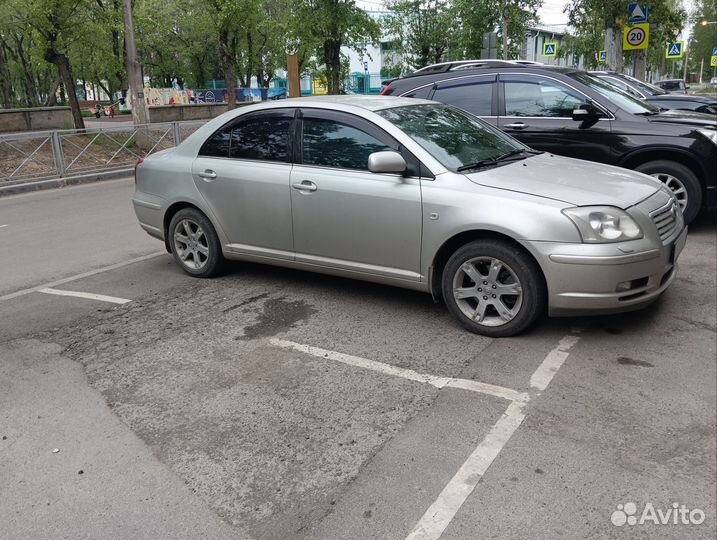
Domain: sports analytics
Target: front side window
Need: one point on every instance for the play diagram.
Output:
(263, 138)
(540, 98)
(615, 96)
(455, 138)
(475, 97)
(327, 143)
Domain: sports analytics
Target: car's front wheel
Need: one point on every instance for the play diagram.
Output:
(195, 244)
(681, 180)
(493, 288)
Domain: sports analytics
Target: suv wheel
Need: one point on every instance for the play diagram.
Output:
(681, 180)
(493, 289)
(195, 244)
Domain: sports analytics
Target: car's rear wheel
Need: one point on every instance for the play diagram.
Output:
(195, 244)
(493, 288)
(681, 180)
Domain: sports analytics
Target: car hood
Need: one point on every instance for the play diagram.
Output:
(676, 116)
(574, 181)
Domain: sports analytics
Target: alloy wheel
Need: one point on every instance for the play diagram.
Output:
(191, 244)
(487, 291)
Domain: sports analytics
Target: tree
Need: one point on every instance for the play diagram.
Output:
(331, 24)
(591, 16)
(703, 37)
(425, 29)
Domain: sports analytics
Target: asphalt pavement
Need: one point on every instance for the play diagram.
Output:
(138, 402)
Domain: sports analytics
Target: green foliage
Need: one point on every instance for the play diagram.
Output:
(703, 38)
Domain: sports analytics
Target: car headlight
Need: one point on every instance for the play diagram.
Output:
(711, 134)
(603, 224)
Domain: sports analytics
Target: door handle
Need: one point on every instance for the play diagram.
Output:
(208, 174)
(305, 186)
(517, 125)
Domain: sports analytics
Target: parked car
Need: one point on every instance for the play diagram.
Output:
(657, 96)
(675, 86)
(572, 113)
(416, 194)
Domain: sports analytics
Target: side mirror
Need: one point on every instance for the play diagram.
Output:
(386, 162)
(585, 113)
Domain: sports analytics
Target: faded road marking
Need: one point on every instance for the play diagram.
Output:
(443, 510)
(86, 296)
(1, 226)
(438, 382)
(552, 363)
(440, 514)
(80, 276)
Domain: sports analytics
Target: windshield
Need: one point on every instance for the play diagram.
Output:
(453, 137)
(614, 95)
(646, 87)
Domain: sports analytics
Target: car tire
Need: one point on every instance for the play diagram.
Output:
(194, 243)
(681, 180)
(493, 288)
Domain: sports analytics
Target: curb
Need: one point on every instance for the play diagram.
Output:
(52, 183)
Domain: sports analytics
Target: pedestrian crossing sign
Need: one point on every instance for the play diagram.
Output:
(674, 50)
(550, 49)
(602, 56)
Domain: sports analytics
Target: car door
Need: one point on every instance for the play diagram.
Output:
(344, 215)
(537, 110)
(474, 94)
(243, 172)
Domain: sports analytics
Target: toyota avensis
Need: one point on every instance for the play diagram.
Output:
(416, 194)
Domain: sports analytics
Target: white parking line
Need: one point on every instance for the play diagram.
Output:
(546, 371)
(87, 296)
(80, 276)
(1, 226)
(443, 510)
(445, 507)
(438, 382)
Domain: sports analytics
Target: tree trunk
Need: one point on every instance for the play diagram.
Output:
(63, 67)
(51, 100)
(613, 47)
(27, 71)
(226, 58)
(332, 59)
(639, 61)
(504, 21)
(5, 78)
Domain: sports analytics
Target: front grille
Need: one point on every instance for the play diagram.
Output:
(666, 219)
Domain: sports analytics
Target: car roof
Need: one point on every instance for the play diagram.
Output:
(460, 69)
(345, 102)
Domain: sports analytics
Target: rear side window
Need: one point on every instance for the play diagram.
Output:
(327, 143)
(475, 97)
(263, 138)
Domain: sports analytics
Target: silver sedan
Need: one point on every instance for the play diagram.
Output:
(415, 194)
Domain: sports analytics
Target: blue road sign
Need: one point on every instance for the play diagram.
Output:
(636, 14)
(674, 50)
(714, 51)
(602, 56)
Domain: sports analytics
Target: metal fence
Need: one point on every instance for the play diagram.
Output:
(61, 153)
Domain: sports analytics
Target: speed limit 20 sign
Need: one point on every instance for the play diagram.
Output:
(636, 37)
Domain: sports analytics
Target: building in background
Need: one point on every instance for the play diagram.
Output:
(537, 37)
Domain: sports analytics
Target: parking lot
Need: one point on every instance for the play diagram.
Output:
(274, 404)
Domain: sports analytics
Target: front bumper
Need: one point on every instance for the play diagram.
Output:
(583, 279)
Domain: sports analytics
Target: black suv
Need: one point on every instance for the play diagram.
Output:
(572, 113)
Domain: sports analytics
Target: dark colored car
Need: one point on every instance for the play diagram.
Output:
(657, 96)
(677, 86)
(572, 113)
